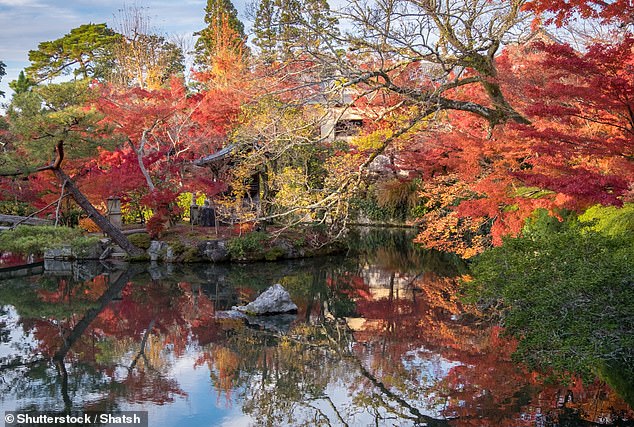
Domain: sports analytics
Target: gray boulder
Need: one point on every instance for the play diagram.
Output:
(214, 250)
(160, 251)
(275, 300)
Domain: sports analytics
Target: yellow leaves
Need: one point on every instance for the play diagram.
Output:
(292, 190)
(373, 141)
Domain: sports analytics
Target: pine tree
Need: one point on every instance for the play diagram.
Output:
(216, 13)
(266, 29)
(285, 27)
(318, 21)
(22, 84)
(85, 52)
(290, 26)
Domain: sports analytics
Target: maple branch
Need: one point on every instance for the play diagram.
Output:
(332, 199)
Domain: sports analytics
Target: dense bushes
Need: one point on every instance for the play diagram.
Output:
(36, 240)
(566, 289)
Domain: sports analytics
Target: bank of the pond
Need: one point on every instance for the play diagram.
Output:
(186, 244)
(249, 247)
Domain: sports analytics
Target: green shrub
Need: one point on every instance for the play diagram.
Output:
(253, 242)
(15, 208)
(140, 240)
(610, 220)
(567, 293)
(37, 239)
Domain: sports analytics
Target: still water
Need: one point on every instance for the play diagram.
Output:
(381, 338)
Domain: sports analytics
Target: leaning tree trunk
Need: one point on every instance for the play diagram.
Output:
(110, 230)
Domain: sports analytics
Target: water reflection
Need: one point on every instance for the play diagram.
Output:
(380, 339)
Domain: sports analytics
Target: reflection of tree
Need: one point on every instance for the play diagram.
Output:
(113, 332)
(480, 385)
(416, 359)
(410, 355)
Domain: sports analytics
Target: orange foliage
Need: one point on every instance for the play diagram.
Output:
(88, 225)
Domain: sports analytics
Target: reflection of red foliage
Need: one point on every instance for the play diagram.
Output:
(68, 291)
(351, 285)
(141, 386)
(482, 385)
(7, 259)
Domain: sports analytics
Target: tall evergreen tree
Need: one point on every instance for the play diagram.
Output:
(217, 13)
(284, 27)
(22, 84)
(319, 23)
(266, 29)
(290, 26)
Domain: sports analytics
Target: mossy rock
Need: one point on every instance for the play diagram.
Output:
(274, 254)
(178, 248)
(140, 240)
(191, 255)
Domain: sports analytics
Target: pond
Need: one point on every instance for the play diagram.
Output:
(380, 338)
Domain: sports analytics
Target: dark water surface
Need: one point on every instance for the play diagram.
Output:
(380, 339)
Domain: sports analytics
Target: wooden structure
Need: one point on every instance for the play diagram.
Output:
(220, 164)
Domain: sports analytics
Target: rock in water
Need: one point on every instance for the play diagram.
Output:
(275, 300)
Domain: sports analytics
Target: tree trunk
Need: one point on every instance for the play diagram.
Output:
(139, 157)
(111, 231)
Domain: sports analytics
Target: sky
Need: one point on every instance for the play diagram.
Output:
(26, 23)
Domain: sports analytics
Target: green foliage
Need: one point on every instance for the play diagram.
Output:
(46, 115)
(621, 378)
(610, 220)
(134, 211)
(86, 52)
(238, 247)
(11, 207)
(567, 292)
(36, 240)
(185, 200)
(282, 28)
(264, 29)
(22, 84)
(532, 192)
(417, 211)
(140, 240)
(369, 207)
